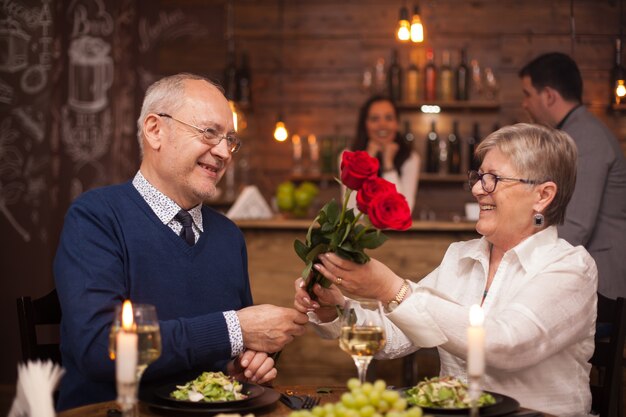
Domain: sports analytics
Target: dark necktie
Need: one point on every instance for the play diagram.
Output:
(187, 232)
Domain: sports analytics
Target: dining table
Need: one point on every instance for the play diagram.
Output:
(274, 409)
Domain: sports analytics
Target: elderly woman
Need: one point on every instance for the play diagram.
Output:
(538, 292)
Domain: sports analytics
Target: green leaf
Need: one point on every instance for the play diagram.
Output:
(351, 256)
(307, 270)
(301, 249)
(372, 240)
(310, 231)
(313, 253)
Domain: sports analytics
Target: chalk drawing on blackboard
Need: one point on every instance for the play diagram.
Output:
(86, 136)
(169, 26)
(11, 162)
(34, 127)
(90, 74)
(35, 78)
(14, 43)
(6, 93)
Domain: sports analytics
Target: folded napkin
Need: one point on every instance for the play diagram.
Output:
(36, 382)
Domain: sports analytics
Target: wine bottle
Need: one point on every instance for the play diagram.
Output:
(244, 94)
(409, 137)
(430, 76)
(462, 78)
(618, 73)
(394, 78)
(446, 78)
(454, 150)
(432, 149)
(230, 79)
(472, 141)
(411, 94)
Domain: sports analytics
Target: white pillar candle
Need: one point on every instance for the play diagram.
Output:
(476, 342)
(313, 148)
(297, 147)
(126, 347)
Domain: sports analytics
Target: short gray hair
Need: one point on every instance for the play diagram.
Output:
(165, 95)
(538, 153)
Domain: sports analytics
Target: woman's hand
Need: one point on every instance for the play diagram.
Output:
(390, 150)
(370, 280)
(324, 307)
(252, 366)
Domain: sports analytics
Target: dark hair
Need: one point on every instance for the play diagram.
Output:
(556, 70)
(361, 140)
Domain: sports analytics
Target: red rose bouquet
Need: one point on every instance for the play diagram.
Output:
(346, 233)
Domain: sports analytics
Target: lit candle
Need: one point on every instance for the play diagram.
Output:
(476, 342)
(313, 148)
(126, 347)
(297, 147)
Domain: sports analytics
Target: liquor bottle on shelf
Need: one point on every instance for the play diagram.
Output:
(411, 94)
(430, 76)
(244, 94)
(462, 78)
(230, 79)
(618, 73)
(476, 80)
(454, 150)
(379, 76)
(408, 135)
(472, 141)
(446, 78)
(394, 78)
(432, 150)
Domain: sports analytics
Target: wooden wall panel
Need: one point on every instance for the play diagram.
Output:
(324, 47)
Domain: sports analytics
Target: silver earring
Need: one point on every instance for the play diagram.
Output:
(538, 219)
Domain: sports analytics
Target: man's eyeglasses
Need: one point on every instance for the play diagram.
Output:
(211, 136)
(489, 181)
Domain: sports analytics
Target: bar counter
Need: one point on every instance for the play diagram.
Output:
(274, 266)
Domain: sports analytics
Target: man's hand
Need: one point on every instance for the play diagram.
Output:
(252, 366)
(268, 328)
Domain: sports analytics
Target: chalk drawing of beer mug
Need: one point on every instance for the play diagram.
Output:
(91, 74)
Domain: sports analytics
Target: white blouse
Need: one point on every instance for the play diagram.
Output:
(539, 320)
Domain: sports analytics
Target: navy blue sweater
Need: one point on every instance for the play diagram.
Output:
(114, 247)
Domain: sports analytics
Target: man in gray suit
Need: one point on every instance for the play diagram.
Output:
(596, 214)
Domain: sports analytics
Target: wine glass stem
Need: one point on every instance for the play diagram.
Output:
(362, 362)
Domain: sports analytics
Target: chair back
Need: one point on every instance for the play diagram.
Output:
(608, 358)
(34, 313)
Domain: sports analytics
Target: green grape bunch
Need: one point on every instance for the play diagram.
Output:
(364, 400)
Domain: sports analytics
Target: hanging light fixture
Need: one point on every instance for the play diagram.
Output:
(404, 27)
(280, 130)
(417, 28)
(239, 121)
(619, 73)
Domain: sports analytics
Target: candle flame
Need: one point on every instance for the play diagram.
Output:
(127, 315)
(476, 315)
(311, 139)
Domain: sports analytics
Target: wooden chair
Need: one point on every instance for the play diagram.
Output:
(33, 313)
(608, 359)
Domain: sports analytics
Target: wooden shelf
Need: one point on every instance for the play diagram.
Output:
(451, 105)
(442, 178)
(312, 177)
(618, 107)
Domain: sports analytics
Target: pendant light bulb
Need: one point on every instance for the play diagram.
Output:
(620, 91)
(280, 132)
(417, 28)
(404, 27)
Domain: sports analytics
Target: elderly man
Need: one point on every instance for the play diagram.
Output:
(152, 241)
(596, 215)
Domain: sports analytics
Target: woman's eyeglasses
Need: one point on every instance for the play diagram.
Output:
(489, 181)
(211, 136)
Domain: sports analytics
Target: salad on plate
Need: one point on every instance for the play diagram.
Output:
(444, 392)
(210, 387)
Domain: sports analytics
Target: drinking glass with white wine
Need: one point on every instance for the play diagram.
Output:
(362, 332)
(144, 332)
